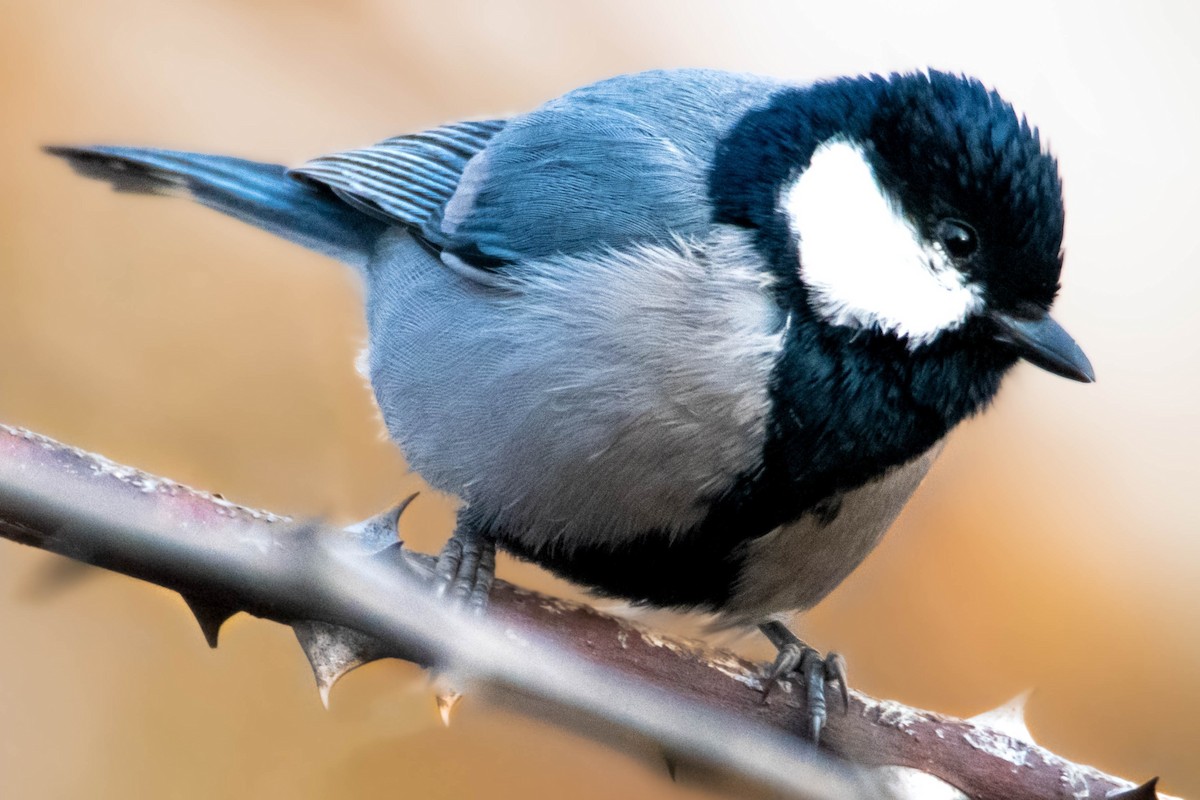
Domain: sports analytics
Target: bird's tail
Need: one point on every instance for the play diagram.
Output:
(263, 195)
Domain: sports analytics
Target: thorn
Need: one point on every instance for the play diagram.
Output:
(445, 694)
(1147, 791)
(333, 650)
(671, 765)
(382, 530)
(446, 701)
(1008, 718)
(211, 617)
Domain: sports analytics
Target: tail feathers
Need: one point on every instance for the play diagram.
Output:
(260, 194)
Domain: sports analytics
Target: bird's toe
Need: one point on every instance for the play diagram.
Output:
(813, 671)
(465, 571)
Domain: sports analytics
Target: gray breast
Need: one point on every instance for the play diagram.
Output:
(587, 400)
(793, 567)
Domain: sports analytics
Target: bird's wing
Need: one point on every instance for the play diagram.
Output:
(621, 161)
(405, 179)
(565, 183)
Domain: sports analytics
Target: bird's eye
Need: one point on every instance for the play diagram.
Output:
(959, 238)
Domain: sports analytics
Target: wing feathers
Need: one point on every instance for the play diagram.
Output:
(407, 179)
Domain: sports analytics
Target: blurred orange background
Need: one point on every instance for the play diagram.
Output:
(1053, 547)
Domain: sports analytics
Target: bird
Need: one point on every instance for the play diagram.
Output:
(689, 338)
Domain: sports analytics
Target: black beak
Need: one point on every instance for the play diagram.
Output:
(1043, 342)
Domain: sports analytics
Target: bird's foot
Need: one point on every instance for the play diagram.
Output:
(466, 569)
(814, 671)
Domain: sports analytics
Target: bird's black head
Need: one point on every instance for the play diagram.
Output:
(916, 208)
(974, 178)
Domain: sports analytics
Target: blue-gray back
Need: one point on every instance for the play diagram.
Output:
(620, 161)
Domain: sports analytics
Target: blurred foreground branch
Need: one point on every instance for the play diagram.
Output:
(354, 596)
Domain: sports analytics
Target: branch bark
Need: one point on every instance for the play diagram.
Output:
(353, 596)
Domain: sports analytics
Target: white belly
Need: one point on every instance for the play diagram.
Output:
(795, 566)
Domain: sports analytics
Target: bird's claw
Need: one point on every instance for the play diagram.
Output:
(465, 570)
(835, 670)
(814, 671)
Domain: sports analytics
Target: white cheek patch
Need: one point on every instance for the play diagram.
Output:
(864, 264)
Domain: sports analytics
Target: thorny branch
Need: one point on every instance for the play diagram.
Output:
(354, 596)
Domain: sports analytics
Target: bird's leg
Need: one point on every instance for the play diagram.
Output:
(466, 568)
(796, 657)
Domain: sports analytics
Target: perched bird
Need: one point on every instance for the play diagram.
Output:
(689, 338)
